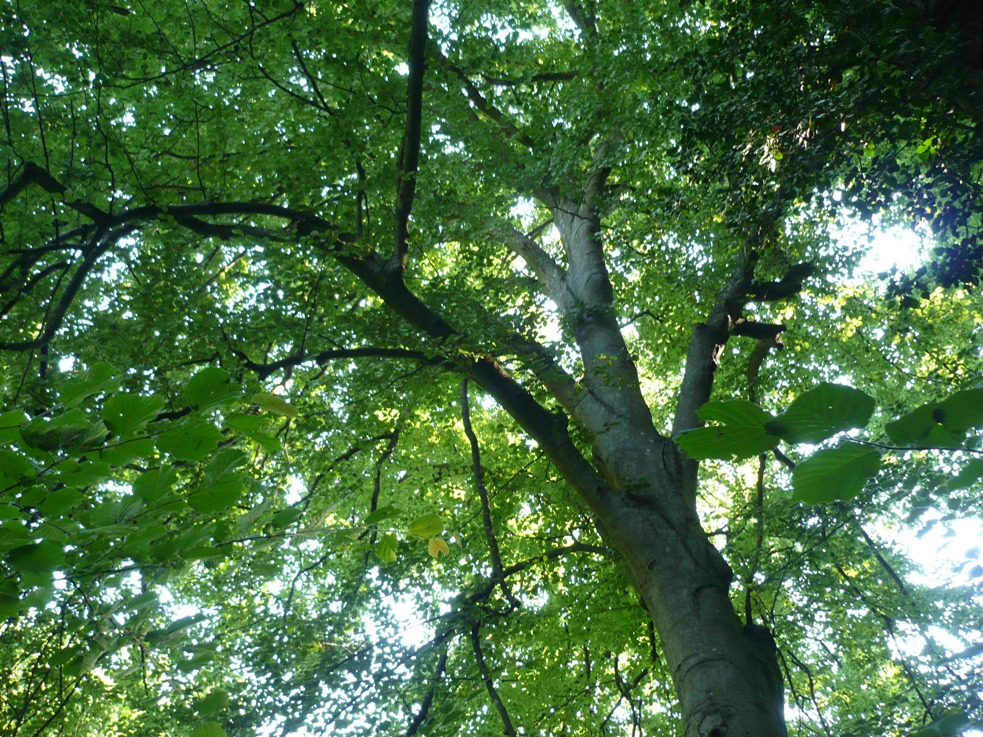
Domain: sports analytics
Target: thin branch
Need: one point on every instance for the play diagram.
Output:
(880, 558)
(479, 658)
(479, 482)
(421, 715)
(481, 103)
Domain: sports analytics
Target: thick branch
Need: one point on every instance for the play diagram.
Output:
(53, 320)
(710, 337)
(409, 158)
(550, 274)
(384, 277)
(32, 174)
(548, 429)
(263, 370)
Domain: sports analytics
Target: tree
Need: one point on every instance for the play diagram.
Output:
(298, 296)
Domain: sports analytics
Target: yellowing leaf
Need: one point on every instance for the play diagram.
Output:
(426, 526)
(276, 405)
(436, 546)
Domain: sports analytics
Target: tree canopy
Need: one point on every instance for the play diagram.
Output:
(458, 367)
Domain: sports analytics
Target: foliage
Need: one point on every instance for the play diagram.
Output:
(242, 485)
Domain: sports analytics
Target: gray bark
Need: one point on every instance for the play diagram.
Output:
(726, 675)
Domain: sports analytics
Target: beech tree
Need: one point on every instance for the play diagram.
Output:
(487, 367)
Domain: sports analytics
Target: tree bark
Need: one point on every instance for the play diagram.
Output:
(726, 675)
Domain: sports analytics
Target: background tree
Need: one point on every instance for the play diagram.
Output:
(356, 362)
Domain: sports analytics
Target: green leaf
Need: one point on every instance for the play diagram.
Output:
(63, 500)
(426, 526)
(126, 452)
(912, 427)
(213, 703)
(741, 435)
(939, 424)
(380, 514)
(246, 423)
(224, 464)
(950, 725)
(961, 412)
(10, 424)
(152, 485)
(218, 497)
(276, 405)
(125, 414)
(13, 534)
(286, 517)
(42, 557)
(385, 548)
(14, 468)
(101, 377)
(70, 432)
(209, 729)
(970, 474)
(210, 388)
(81, 474)
(190, 442)
(822, 412)
(835, 473)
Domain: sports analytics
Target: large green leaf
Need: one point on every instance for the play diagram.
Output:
(190, 442)
(822, 412)
(961, 412)
(41, 557)
(209, 729)
(125, 414)
(912, 427)
(210, 388)
(426, 526)
(275, 404)
(14, 467)
(835, 474)
(741, 433)
(385, 548)
(154, 484)
(218, 496)
(71, 432)
(101, 377)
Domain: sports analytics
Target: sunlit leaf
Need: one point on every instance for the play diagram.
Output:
(426, 526)
(821, 412)
(273, 403)
(437, 547)
(42, 557)
(152, 485)
(385, 548)
(209, 729)
(125, 414)
(835, 474)
(381, 514)
(213, 703)
(962, 411)
(210, 388)
(741, 433)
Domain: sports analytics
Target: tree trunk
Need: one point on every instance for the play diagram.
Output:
(726, 675)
